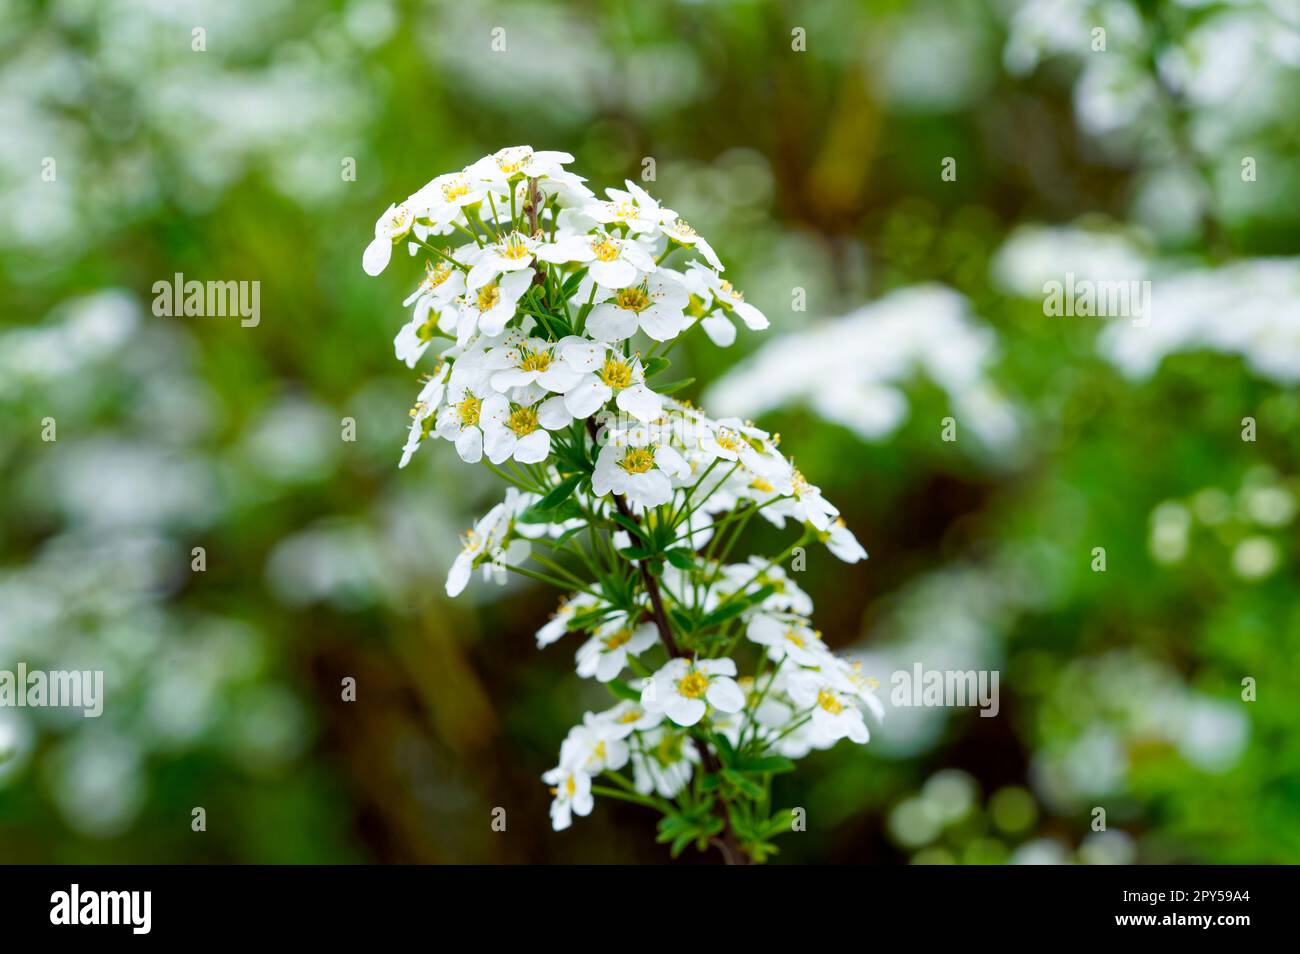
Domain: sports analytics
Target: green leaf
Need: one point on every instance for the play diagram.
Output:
(632, 527)
(727, 611)
(675, 386)
(559, 493)
(744, 783)
(775, 764)
(622, 690)
(655, 365)
(681, 558)
(637, 553)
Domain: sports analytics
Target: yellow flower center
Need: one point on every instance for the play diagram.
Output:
(534, 360)
(488, 296)
(683, 228)
(731, 291)
(512, 162)
(605, 250)
(400, 220)
(469, 540)
(669, 750)
(617, 639)
(435, 275)
(761, 485)
(630, 716)
(727, 440)
(637, 460)
(571, 787)
(451, 191)
(425, 331)
(523, 421)
(598, 751)
(468, 410)
(632, 299)
(616, 373)
(515, 248)
(793, 636)
(693, 685)
(830, 702)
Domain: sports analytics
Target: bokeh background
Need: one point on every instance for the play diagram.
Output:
(816, 170)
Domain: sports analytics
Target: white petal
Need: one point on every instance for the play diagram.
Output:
(586, 398)
(720, 330)
(611, 323)
(553, 414)
(533, 448)
(724, 695)
(377, 255)
(640, 402)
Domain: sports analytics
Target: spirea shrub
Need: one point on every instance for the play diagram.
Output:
(551, 314)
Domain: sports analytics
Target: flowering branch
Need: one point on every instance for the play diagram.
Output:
(622, 495)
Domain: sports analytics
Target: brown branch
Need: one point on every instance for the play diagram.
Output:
(732, 852)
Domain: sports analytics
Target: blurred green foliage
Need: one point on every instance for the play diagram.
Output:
(816, 169)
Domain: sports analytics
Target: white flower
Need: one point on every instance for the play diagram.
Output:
(615, 263)
(639, 471)
(705, 283)
(391, 227)
(483, 539)
(842, 543)
(663, 762)
(728, 439)
(572, 791)
(656, 306)
(808, 505)
(786, 596)
(628, 717)
(605, 654)
(443, 199)
(460, 421)
(634, 208)
(788, 637)
(514, 253)
(487, 309)
(558, 624)
(594, 747)
(604, 373)
(860, 685)
(433, 312)
(520, 431)
(681, 233)
(422, 414)
(683, 690)
(519, 162)
(835, 714)
(526, 361)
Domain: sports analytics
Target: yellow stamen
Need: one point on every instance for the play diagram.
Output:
(632, 299)
(605, 250)
(693, 685)
(616, 373)
(828, 701)
(468, 410)
(523, 421)
(637, 460)
(488, 297)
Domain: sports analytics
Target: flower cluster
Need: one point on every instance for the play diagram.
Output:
(551, 312)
